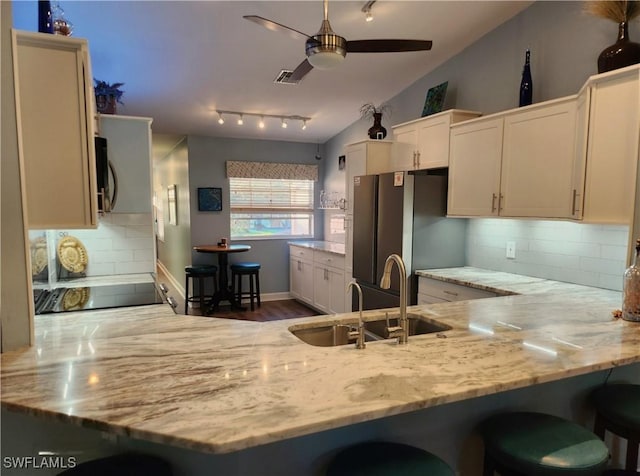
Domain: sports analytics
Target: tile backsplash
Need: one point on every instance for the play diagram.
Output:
(593, 255)
(123, 243)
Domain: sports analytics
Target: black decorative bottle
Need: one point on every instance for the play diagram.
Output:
(526, 85)
(45, 22)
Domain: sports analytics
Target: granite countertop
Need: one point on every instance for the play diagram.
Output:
(329, 246)
(499, 282)
(220, 385)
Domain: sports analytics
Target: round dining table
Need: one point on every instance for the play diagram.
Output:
(224, 292)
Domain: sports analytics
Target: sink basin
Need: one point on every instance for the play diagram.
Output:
(338, 334)
(329, 336)
(418, 325)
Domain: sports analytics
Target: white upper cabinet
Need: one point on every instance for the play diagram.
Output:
(365, 158)
(474, 169)
(538, 157)
(522, 163)
(612, 152)
(54, 105)
(424, 143)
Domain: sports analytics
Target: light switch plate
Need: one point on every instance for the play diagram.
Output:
(511, 249)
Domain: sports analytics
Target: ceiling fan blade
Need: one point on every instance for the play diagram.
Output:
(387, 46)
(301, 71)
(275, 26)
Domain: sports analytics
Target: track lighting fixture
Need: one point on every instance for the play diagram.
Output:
(261, 120)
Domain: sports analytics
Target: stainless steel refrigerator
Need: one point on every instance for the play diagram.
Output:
(402, 213)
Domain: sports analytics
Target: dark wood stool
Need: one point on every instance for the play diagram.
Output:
(618, 411)
(238, 270)
(381, 458)
(200, 273)
(537, 444)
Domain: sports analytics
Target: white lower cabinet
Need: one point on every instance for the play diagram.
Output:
(301, 274)
(317, 279)
(431, 291)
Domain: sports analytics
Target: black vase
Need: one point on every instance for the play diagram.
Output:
(45, 22)
(377, 131)
(622, 53)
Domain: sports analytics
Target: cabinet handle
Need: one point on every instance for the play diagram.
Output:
(493, 202)
(417, 159)
(500, 202)
(326, 275)
(574, 210)
(298, 265)
(449, 292)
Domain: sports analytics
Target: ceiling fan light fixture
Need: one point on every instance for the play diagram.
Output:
(326, 59)
(326, 50)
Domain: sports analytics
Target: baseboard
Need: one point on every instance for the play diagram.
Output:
(275, 296)
(174, 284)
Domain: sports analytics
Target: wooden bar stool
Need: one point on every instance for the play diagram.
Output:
(238, 270)
(536, 444)
(618, 411)
(199, 273)
(380, 458)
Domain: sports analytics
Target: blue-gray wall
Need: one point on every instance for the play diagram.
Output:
(207, 168)
(564, 42)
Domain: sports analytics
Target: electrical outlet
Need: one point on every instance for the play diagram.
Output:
(511, 249)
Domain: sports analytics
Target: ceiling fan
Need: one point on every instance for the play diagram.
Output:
(326, 49)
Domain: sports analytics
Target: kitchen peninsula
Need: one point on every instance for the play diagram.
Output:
(253, 389)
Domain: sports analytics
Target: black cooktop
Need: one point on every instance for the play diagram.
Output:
(96, 297)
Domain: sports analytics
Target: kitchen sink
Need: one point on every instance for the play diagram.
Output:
(331, 335)
(418, 325)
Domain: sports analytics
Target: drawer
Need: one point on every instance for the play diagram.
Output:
(426, 299)
(450, 291)
(299, 252)
(328, 259)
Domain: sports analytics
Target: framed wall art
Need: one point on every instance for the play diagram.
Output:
(434, 101)
(209, 199)
(342, 160)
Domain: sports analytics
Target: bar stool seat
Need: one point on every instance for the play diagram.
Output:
(238, 270)
(380, 458)
(537, 444)
(199, 273)
(618, 410)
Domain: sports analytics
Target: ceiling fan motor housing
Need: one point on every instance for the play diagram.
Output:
(325, 49)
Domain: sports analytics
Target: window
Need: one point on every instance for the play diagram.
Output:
(271, 207)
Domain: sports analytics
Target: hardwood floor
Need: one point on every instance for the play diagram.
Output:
(268, 311)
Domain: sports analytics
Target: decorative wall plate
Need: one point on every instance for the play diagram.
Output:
(38, 255)
(72, 254)
(75, 299)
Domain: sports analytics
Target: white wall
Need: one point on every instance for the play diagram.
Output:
(593, 255)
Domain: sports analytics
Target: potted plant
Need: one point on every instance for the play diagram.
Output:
(107, 95)
(377, 131)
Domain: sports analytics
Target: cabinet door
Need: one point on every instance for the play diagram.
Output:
(338, 291)
(129, 151)
(537, 162)
(301, 279)
(433, 142)
(613, 150)
(321, 289)
(405, 148)
(474, 168)
(54, 104)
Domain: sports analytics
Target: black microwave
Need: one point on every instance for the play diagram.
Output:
(106, 186)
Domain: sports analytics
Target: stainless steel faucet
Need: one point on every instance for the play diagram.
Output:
(385, 283)
(359, 334)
